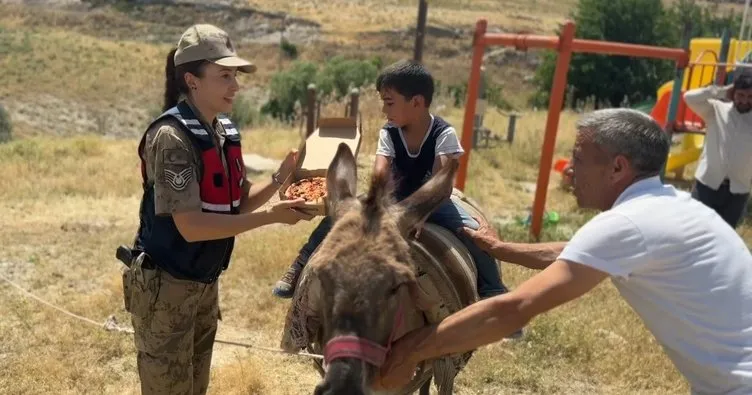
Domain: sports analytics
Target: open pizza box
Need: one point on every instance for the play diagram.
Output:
(317, 152)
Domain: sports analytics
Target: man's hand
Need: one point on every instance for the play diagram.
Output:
(287, 212)
(485, 237)
(728, 92)
(288, 165)
(401, 362)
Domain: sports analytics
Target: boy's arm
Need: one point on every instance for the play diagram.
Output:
(448, 148)
(381, 165)
(440, 162)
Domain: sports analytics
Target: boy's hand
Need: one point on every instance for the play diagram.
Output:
(419, 227)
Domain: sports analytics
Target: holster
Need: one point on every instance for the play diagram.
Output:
(127, 255)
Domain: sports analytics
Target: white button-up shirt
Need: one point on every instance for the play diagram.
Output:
(728, 140)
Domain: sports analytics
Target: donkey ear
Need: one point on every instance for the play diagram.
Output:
(341, 179)
(425, 200)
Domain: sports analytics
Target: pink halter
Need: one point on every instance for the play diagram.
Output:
(362, 349)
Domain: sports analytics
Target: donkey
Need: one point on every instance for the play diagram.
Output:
(365, 272)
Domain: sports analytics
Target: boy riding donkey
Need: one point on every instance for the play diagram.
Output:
(413, 145)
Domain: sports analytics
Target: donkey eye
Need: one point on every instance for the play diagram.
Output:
(393, 290)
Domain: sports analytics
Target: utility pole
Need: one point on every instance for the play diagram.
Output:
(420, 31)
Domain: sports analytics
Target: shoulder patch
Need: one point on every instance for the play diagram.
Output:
(178, 180)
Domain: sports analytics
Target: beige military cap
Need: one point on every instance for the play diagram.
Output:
(208, 42)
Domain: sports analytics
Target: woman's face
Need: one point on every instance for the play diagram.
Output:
(216, 89)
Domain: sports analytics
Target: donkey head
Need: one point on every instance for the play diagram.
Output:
(364, 271)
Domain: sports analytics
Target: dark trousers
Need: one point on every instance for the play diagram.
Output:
(730, 206)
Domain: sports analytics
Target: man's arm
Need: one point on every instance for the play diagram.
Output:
(489, 320)
(493, 319)
(533, 256)
(698, 99)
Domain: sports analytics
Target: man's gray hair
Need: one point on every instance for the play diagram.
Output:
(631, 133)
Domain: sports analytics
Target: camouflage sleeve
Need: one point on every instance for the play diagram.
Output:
(175, 171)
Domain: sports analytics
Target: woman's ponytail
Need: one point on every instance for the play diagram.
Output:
(172, 86)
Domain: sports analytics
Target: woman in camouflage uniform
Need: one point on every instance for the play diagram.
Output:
(196, 200)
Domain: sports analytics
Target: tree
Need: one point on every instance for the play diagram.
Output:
(334, 80)
(609, 79)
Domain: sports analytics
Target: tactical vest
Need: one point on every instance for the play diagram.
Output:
(220, 193)
(410, 172)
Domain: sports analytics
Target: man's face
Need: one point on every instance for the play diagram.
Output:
(590, 169)
(742, 100)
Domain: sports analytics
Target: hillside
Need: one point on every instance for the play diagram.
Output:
(103, 61)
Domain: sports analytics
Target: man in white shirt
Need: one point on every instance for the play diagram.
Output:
(724, 174)
(683, 270)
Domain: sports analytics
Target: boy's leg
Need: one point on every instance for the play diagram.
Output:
(285, 287)
(453, 217)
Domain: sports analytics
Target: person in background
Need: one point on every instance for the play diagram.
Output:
(723, 178)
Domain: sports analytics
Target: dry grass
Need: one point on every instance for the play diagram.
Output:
(57, 239)
(343, 17)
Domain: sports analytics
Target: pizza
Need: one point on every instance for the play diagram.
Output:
(312, 189)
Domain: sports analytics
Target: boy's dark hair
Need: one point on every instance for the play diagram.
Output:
(409, 79)
(743, 80)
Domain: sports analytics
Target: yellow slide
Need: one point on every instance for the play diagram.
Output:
(691, 149)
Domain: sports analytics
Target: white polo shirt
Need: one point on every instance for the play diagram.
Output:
(686, 273)
(727, 152)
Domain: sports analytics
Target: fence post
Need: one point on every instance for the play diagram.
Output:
(420, 31)
(512, 124)
(311, 110)
(354, 103)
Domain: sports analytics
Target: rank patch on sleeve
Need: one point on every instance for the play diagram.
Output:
(178, 180)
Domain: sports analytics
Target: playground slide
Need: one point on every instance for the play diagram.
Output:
(690, 152)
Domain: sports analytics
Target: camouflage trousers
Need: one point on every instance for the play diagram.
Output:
(175, 322)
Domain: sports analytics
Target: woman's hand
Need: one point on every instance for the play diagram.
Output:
(286, 212)
(287, 167)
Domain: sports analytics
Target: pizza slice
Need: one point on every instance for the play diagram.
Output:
(312, 190)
